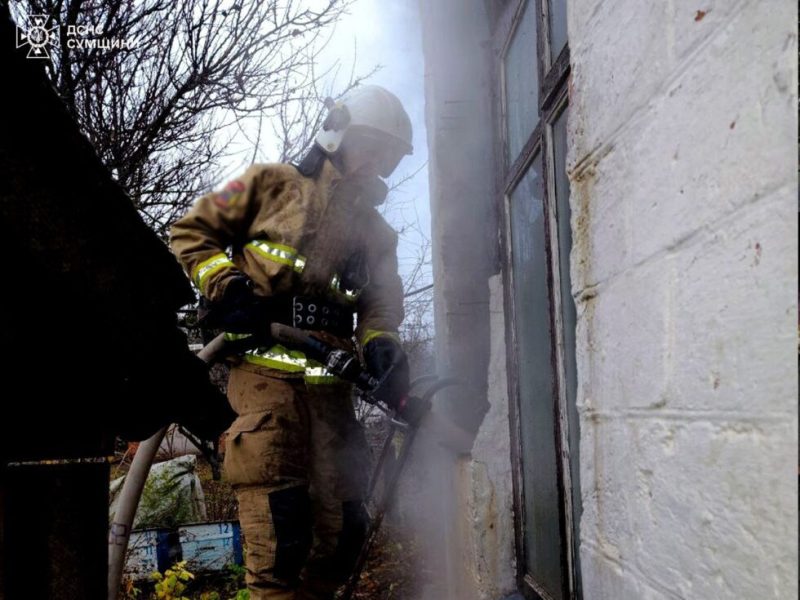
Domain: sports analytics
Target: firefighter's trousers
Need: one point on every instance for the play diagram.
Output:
(299, 462)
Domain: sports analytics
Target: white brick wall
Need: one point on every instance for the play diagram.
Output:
(683, 163)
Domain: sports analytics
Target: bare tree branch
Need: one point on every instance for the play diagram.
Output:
(156, 113)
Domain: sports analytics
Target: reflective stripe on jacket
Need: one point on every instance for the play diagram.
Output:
(295, 235)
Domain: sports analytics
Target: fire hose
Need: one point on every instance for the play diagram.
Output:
(340, 363)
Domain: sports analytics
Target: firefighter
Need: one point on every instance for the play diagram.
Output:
(307, 243)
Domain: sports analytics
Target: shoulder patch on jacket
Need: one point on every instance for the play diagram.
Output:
(228, 196)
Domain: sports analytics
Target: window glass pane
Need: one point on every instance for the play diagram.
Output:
(558, 27)
(567, 312)
(522, 83)
(537, 426)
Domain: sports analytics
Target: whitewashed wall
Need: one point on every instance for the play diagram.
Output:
(485, 489)
(683, 160)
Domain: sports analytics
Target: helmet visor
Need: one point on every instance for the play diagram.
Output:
(384, 150)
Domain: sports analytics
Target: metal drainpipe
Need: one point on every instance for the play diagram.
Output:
(131, 493)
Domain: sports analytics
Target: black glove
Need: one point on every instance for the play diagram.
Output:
(387, 363)
(239, 310)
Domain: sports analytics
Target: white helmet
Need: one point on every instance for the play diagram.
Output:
(369, 110)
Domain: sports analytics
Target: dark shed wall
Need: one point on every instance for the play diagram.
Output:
(87, 321)
(89, 292)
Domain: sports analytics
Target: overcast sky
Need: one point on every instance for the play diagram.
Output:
(384, 34)
(387, 33)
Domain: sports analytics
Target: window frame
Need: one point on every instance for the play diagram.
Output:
(553, 76)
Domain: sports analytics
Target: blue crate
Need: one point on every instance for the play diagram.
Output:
(142, 557)
(211, 546)
(206, 547)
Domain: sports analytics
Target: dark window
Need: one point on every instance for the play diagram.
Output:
(541, 535)
(558, 27)
(532, 74)
(521, 84)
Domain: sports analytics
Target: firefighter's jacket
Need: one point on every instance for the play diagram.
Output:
(295, 235)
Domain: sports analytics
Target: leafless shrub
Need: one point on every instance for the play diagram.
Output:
(163, 113)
